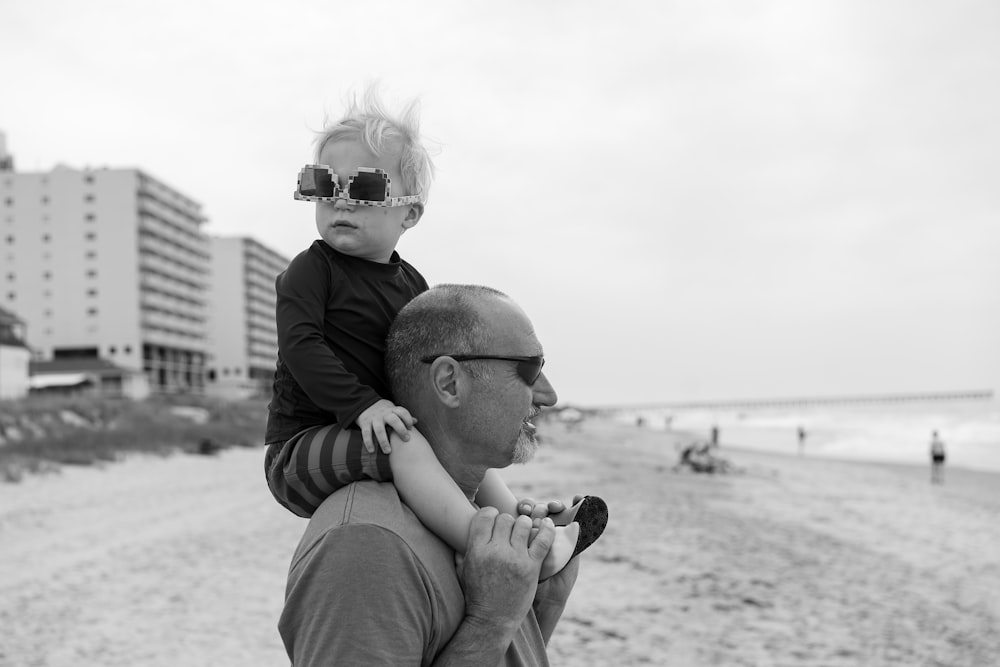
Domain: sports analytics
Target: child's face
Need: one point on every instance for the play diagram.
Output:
(367, 232)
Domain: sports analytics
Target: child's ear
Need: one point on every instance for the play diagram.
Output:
(413, 215)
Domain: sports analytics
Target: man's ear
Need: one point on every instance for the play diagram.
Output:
(445, 378)
(413, 215)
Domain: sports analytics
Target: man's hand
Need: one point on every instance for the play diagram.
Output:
(374, 421)
(500, 572)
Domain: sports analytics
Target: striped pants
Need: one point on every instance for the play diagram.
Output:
(302, 471)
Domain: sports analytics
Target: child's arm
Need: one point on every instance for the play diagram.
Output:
(493, 492)
(442, 506)
(429, 491)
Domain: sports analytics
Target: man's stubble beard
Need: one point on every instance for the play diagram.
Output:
(524, 448)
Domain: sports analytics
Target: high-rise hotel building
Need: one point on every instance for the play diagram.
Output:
(110, 264)
(244, 340)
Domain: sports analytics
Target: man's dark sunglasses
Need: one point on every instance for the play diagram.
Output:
(528, 368)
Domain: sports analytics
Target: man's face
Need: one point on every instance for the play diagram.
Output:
(504, 404)
(367, 232)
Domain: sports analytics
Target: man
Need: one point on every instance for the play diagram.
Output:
(368, 584)
(937, 459)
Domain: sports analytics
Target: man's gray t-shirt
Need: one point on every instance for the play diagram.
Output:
(369, 584)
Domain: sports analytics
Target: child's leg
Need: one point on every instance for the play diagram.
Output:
(314, 463)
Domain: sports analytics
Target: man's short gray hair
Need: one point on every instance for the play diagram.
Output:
(442, 321)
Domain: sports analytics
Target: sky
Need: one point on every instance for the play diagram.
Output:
(692, 201)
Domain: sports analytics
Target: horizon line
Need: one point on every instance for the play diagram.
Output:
(974, 394)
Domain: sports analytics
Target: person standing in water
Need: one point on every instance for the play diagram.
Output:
(937, 459)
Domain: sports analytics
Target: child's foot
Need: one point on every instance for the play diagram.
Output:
(577, 528)
(562, 550)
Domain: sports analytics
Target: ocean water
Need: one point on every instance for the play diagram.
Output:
(885, 431)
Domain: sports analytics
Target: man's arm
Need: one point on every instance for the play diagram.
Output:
(551, 597)
(499, 577)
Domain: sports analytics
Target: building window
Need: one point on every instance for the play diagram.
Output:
(90, 217)
(91, 311)
(10, 239)
(88, 198)
(91, 292)
(47, 275)
(46, 238)
(9, 201)
(91, 254)
(88, 179)
(45, 199)
(112, 350)
(11, 296)
(128, 349)
(90, 236)
(92, 273)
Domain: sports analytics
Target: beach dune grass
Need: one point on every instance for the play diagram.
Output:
(39, 434)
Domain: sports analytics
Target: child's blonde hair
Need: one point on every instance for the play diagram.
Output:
(368, 121)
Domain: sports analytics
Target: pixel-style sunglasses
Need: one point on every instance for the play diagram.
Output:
(369, 186)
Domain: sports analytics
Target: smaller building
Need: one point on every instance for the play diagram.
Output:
(15, 357)
(243, 336)
(92, 376)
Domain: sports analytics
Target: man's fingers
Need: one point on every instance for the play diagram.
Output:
(502, 528)
(556, 506)
(520, 532)
(542, 542)
(481, 528)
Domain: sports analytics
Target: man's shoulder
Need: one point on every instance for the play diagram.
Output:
(375, 504)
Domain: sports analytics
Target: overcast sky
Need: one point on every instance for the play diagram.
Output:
(695, 200)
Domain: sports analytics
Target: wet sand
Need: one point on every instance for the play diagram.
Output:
(182, 561)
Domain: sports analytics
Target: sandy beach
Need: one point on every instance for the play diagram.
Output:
(181, 560)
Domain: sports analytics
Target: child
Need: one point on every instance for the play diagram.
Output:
(335, 302)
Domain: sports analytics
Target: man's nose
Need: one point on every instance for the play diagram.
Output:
(544, 392)
(341, 204)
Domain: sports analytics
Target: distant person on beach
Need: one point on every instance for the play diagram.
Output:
(369, 584)
(715, 436)
(937, 459)
(802, 440)
(332, 413)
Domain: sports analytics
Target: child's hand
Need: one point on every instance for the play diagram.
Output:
(374, 420)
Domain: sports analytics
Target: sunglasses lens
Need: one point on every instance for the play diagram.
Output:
(530, 370)
(368, 186)
(315, 182)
